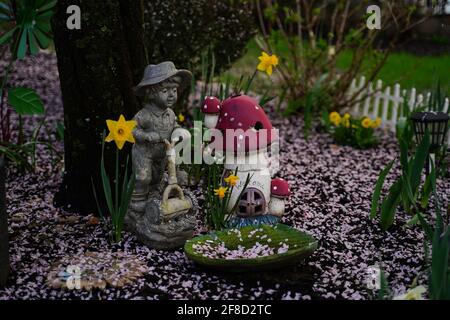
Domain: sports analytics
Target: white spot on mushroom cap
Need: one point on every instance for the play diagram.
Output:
(256, 107)
(232, 119)
(205, 106)
(275, 188)
(226, 114)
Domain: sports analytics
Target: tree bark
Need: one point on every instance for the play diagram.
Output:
(98, 67)
(4, 243)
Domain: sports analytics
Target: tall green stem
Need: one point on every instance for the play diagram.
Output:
(116, 207)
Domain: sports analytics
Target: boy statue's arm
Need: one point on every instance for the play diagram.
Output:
(178, 133)
(141, 136)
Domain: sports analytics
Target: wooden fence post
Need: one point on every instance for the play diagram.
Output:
(384, 115)
(376, 105)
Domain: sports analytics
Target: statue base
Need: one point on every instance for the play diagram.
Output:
(149, 222)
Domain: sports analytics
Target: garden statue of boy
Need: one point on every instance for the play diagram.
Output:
(159, 221)
(156, 124)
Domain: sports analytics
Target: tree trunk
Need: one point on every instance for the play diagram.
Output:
(4, 245)
(98, 67)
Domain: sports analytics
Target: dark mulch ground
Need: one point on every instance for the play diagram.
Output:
(332, 187)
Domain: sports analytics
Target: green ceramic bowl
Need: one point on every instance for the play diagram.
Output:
(301, 245)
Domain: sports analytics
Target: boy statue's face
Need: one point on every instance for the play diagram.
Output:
(167, 96)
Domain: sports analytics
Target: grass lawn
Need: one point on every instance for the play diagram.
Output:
(411, 71)
(407, 69)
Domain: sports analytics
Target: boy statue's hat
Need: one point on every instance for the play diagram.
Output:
(157, 73)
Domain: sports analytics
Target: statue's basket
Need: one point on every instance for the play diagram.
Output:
(174, 207)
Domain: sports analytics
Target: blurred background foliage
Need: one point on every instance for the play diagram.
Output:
(181, 31)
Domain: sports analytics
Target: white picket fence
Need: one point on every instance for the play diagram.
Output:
(386, 103)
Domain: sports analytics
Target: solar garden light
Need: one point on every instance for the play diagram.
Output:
(437, 125)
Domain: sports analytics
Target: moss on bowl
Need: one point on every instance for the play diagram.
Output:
(274, 238)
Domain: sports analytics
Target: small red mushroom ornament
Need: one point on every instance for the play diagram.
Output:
(211, 109)
(280, 191)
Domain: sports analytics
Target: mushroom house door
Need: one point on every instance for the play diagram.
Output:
(252, 203)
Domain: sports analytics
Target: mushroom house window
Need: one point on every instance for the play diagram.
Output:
(258, 125)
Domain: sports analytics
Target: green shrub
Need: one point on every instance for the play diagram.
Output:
(180, 31)
(310, 36)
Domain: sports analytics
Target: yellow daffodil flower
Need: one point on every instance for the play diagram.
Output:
(181, 118)
(376, 123)
(346, 120)
(220, 192)
(232, 180)
(120, 131)
(335, 118)
(413, 294)
(366, 123)
(268, 62)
